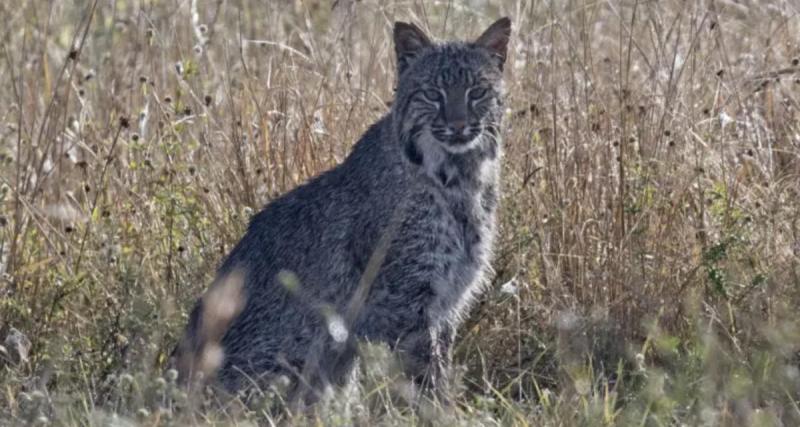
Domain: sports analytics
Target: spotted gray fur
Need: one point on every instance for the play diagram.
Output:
(412, 208)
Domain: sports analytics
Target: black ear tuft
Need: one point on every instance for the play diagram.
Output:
(408, 42)
(496, 38)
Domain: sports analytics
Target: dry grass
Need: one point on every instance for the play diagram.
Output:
(649, 262)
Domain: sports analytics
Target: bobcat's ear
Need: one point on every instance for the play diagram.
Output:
(495, 39)
(408, 42)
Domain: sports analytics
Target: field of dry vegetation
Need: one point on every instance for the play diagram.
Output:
(648, 270)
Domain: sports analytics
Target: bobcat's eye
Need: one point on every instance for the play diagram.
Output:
(477, 93)
(432, 95)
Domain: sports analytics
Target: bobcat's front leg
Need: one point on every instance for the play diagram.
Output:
(411, 303)
(426, 359)
(444, 350)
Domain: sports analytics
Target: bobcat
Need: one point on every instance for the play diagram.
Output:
(390, 246)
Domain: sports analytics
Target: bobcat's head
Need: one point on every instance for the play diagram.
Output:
(449, 96)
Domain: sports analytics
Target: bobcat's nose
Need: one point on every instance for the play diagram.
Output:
(458, 126)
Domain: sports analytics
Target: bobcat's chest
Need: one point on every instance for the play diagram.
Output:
(468, 226)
